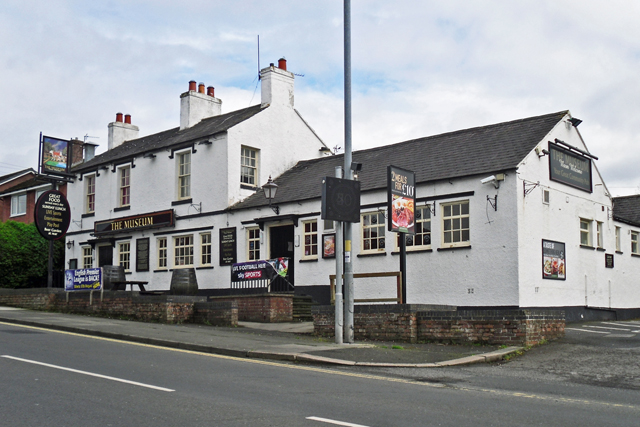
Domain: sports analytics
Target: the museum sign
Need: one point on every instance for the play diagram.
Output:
(133, 223)
(569, 168)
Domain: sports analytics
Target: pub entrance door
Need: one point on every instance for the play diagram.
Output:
(105, 255)
(281, 245)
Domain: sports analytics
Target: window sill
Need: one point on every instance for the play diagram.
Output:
(122, 208)
(18, 214)
(636, 255)
(248, 187)
(414, 251)
(309, 260)
(601, 249)
(372, 254)
(588, 247)
(205, 267)
(619, 252)
(88, 215)
(181, 202)
(162, 270)
(453, 248)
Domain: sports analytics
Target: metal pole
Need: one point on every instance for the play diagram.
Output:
(348, 266)
(339, 316)
(403, 266)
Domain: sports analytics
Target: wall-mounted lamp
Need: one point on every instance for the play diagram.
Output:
(70, 244)
(270, 189)
(575, 122)
(493, 179)
(356, 168)
(542, 152)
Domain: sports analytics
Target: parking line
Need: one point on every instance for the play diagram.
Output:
(586, 330)
(338, 423)
(608, 327)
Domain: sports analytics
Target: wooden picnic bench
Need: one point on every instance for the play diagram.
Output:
(121, 285)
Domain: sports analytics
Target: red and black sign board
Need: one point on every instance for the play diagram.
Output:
(340, 200)
(136, 222)
(401, 200)
(52, 215)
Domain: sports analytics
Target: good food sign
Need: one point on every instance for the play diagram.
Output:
(554, 261)
(401, 199)
(52, 215)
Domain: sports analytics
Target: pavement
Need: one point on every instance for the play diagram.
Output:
(275, 341)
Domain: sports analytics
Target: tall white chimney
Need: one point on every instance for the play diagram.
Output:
(198, 105)
(121, 131)
(277, 84)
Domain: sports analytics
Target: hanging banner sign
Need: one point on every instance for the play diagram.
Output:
(401, 200)
(85, 279)
(260, 270)
(52, 215)
(55, 156)
(554, 263)
(569, 168)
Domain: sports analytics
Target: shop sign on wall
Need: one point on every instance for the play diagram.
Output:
(260, 270)
(554, 261)
(137, 222)
(569, 168)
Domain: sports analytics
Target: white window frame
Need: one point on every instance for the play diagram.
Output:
(635, 247)
(87, 257)
(90, 193)
(19, 204)
(370, 223)
(183, 253)
(249, 166)
(459, 223)
(124, 255)
(420, 222)
(206, 246)
(310, 240)
(618, 233)
(40, 193)
(183, 174)
(585, 232)
(599, 235)
(124, 186)
(328, 225)
(253, 236)
(162, 249)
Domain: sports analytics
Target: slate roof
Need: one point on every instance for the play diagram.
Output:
(8, 177)
(486, 149)
(34, 182)
(627, 209)
(170, 138)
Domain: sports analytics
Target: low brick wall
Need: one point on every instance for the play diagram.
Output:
(416, 322)
(264, 308)
(218, 313)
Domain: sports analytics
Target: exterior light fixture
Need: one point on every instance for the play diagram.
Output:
(69, 244)
(575, 122)
(270, 189)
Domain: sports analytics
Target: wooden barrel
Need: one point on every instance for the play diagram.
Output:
(184, 282)
(110, 274)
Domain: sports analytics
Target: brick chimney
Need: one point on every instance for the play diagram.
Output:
(196, 105)
(277, 84)
(121, 131)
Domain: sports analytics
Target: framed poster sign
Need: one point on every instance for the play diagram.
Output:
(401, 200)
(554, 262)
(569, 168)
(142, 254)
(228, 248)
(329, 245)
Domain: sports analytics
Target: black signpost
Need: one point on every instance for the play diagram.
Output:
(52, 216)
(401, 201)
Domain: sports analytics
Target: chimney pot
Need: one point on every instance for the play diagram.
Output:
(192, 85)
(210, 91)
(127, 118)
(119, 117)
(201, 88)
(282, 64)
(271, 64)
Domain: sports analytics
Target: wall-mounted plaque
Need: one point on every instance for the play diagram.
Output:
(608, 260)
(228, 251)
(142, 254)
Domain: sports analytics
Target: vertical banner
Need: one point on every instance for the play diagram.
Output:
(554, 261)
(55, 156)
(401, 200)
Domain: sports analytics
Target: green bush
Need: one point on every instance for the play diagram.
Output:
(24, 255)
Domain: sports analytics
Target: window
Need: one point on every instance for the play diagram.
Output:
(183, 251)
(545, 197)
(18, 205)
(634, 243)
(87, 257)
(310, 238)
(585, 232)
(422, 238)
(125, 186)
(618, 239)
(599, 234)
(184, 175)
(373, 232)
(162, 253)
(249, 166)
(124, 255)
(205, 248)
(455, 224)
(91, 194)
(40, 193)
(253, 244)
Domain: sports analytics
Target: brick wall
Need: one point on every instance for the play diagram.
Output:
(216, 313)
(264, 308)
(413, 322)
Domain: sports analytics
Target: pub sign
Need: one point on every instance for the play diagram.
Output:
(136, 222)
(401, 200)
(55, 156)
(569, 168)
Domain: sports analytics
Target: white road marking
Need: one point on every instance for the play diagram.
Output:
(338, 423)
(89, 373)
(585, 330)
(620, 336)
(607, 327)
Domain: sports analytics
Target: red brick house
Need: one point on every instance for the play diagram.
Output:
(18, 194)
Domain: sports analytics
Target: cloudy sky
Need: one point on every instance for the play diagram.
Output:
(420, 67)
